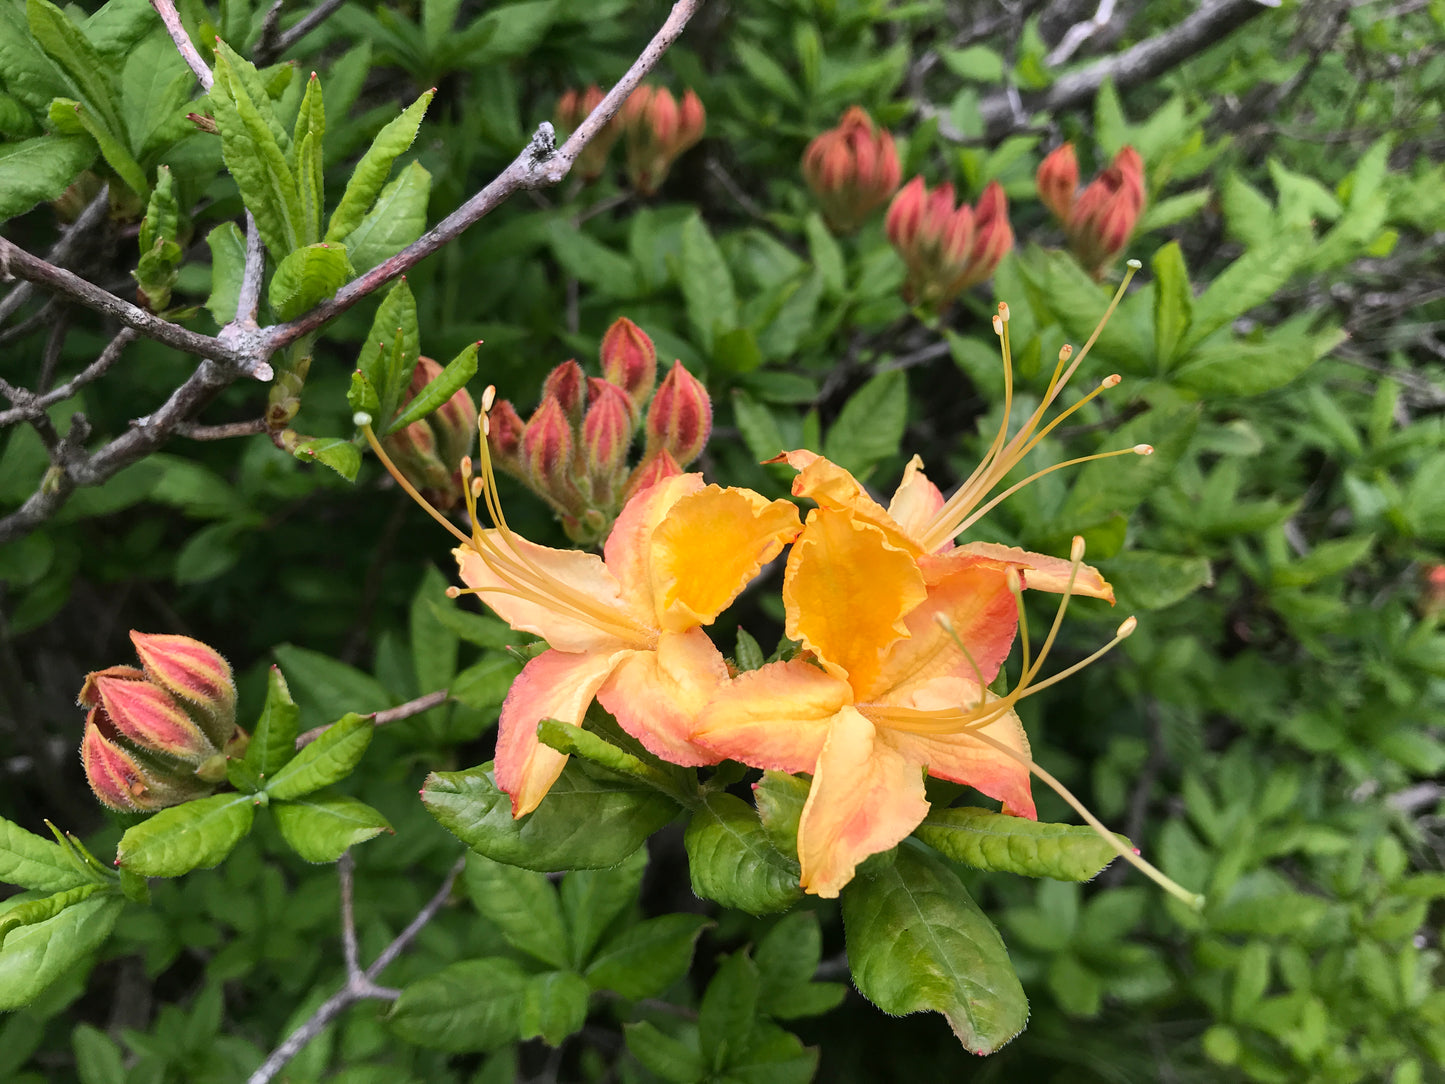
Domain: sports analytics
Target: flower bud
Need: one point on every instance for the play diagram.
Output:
(947, 248)
(655, 467)
(547, 452)
(852, 169)
(122, 780)
(993, 237)
(504, 436)
(454, 423)
(606, 439)
(629, 360)
(680, 418)
(427, 451)
(1104, 216)
(1432, 590)
(1058, 181)
(150, 717)
(567, 383)
(196, 675)
(573, 108)
(658, 129)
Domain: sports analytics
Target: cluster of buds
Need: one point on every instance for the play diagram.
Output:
(658, 128)
(573, 108)
(1432, 590)
(853, 169)
(159, 735)
(1098, 221)
(574, 450)
(428, 452)
(947, 248)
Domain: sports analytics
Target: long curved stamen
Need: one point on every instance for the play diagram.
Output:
(974, 517)
(1003, 454)
(364, 421)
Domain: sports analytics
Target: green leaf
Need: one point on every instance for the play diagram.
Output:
(870, 425)
(361, 397)
(593, 898)
(327, 760)
(780, 799)
(374, 168)
(993, 841)
(1248, 213)
(327, 687)
(1175, 209)
(787, 957)
(228, 265)
(1173, 302)
(554, 1006)
(40, 169)
(1078, 303)
(512, 30)
(397, 219)
(470, 1005)
(1155, 581)
(645, 959)
(672, 1059)
(1249, 281)
(64, 43)
(590, 819)
(392, 346)
(307, 277)
(97, 1057)
(1110, 487)
(772, 1056)
(451, 379)
(30, 76)
(827, 256)
(484, 685)
(1111, 127)
(322, 827)
(72, 117)
(569, 739)
(732, 861)
(252, 151)
(706, 283)
(522, 904)
(759, 428)
(1247, 368)
(729, 1010)
(47, 907)
(591, 262)
(35, 956)
(342, 456)
(31, 862)
(916, 940)
(196, 835)
(273, 738)
(307, 161)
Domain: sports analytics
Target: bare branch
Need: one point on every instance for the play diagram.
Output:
(268, 50)
(540, 163)
(248, 299)
(30, 404)
(166, 9)
(425, 915)
(87, 220)
(381, 718)
(1079, 33)
(222, 432)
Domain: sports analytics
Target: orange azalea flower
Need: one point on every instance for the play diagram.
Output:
(624, 628)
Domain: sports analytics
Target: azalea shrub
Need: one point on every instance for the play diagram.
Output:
(945, 518)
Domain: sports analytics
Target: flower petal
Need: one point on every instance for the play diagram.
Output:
(657, 696)
(774, 717)
(962, 758)
(915, 502)
(847, 590)
(866, 797)
(1042, 572)
(555, 685)
(564, 596)
(830, 486)
(628, 550)
(710, 546)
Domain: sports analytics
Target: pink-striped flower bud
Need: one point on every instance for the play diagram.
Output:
(658, 129)
(547, 452)
(947, 248)
(195, 674)
(680, 418)
(606, 439)
(993, 237)
(853, 169)
(655, 467)
(428, 451)
(1058, 181)
(567, 384)
(504, 436)
(1107, 211)
(125, 781)
(629, 360)
(152, 719)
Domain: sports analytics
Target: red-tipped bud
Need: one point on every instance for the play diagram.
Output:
(567, 383)
(852, 169)
(680, 418)
(947, 248)
(504, 436)
(454, 424)
(427, 452)
(629, 360)
(151, 719)
(573, 108)
(658, 130)
(606, 438)
(114, 775)
(1107, 211)
(90, 694)
(196, 675)
(547, 452)
(1058, 181)
(655, 467)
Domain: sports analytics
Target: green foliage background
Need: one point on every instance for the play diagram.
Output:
(1271, 736)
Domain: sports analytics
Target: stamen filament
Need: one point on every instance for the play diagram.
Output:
(1076, 558)
(406, 486)
(978, 514)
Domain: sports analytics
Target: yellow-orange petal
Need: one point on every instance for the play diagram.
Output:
(628, 550)
(866, 797)
(830, 486)
(963, 758)
(847, 590)
(555, 685)
(1042, 572)
(710, 546)
(775, 717)
(540, 605)
(658, 695)
(915, 502)
(975, 598)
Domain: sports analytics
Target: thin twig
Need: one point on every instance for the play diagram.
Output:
(296, 32)
(30, 404)
(381, 718)
(1079, 33)
(50, 355)
(360, 985)
(248, 428)
(270, 33)
(166, 9)
(94, 213)
(248, 299)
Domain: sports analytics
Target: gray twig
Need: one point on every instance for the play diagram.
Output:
(29, 404)
(166, 9)
(268, 50)
(381, 718)
(360, 985)
(247, 428)
(248, 299)
(87, 220)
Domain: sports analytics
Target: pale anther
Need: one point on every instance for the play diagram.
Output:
(360, 418)
(1130, 624)
(1076, 549)
(1110, 381)
(489, 396)
(1143, 449)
